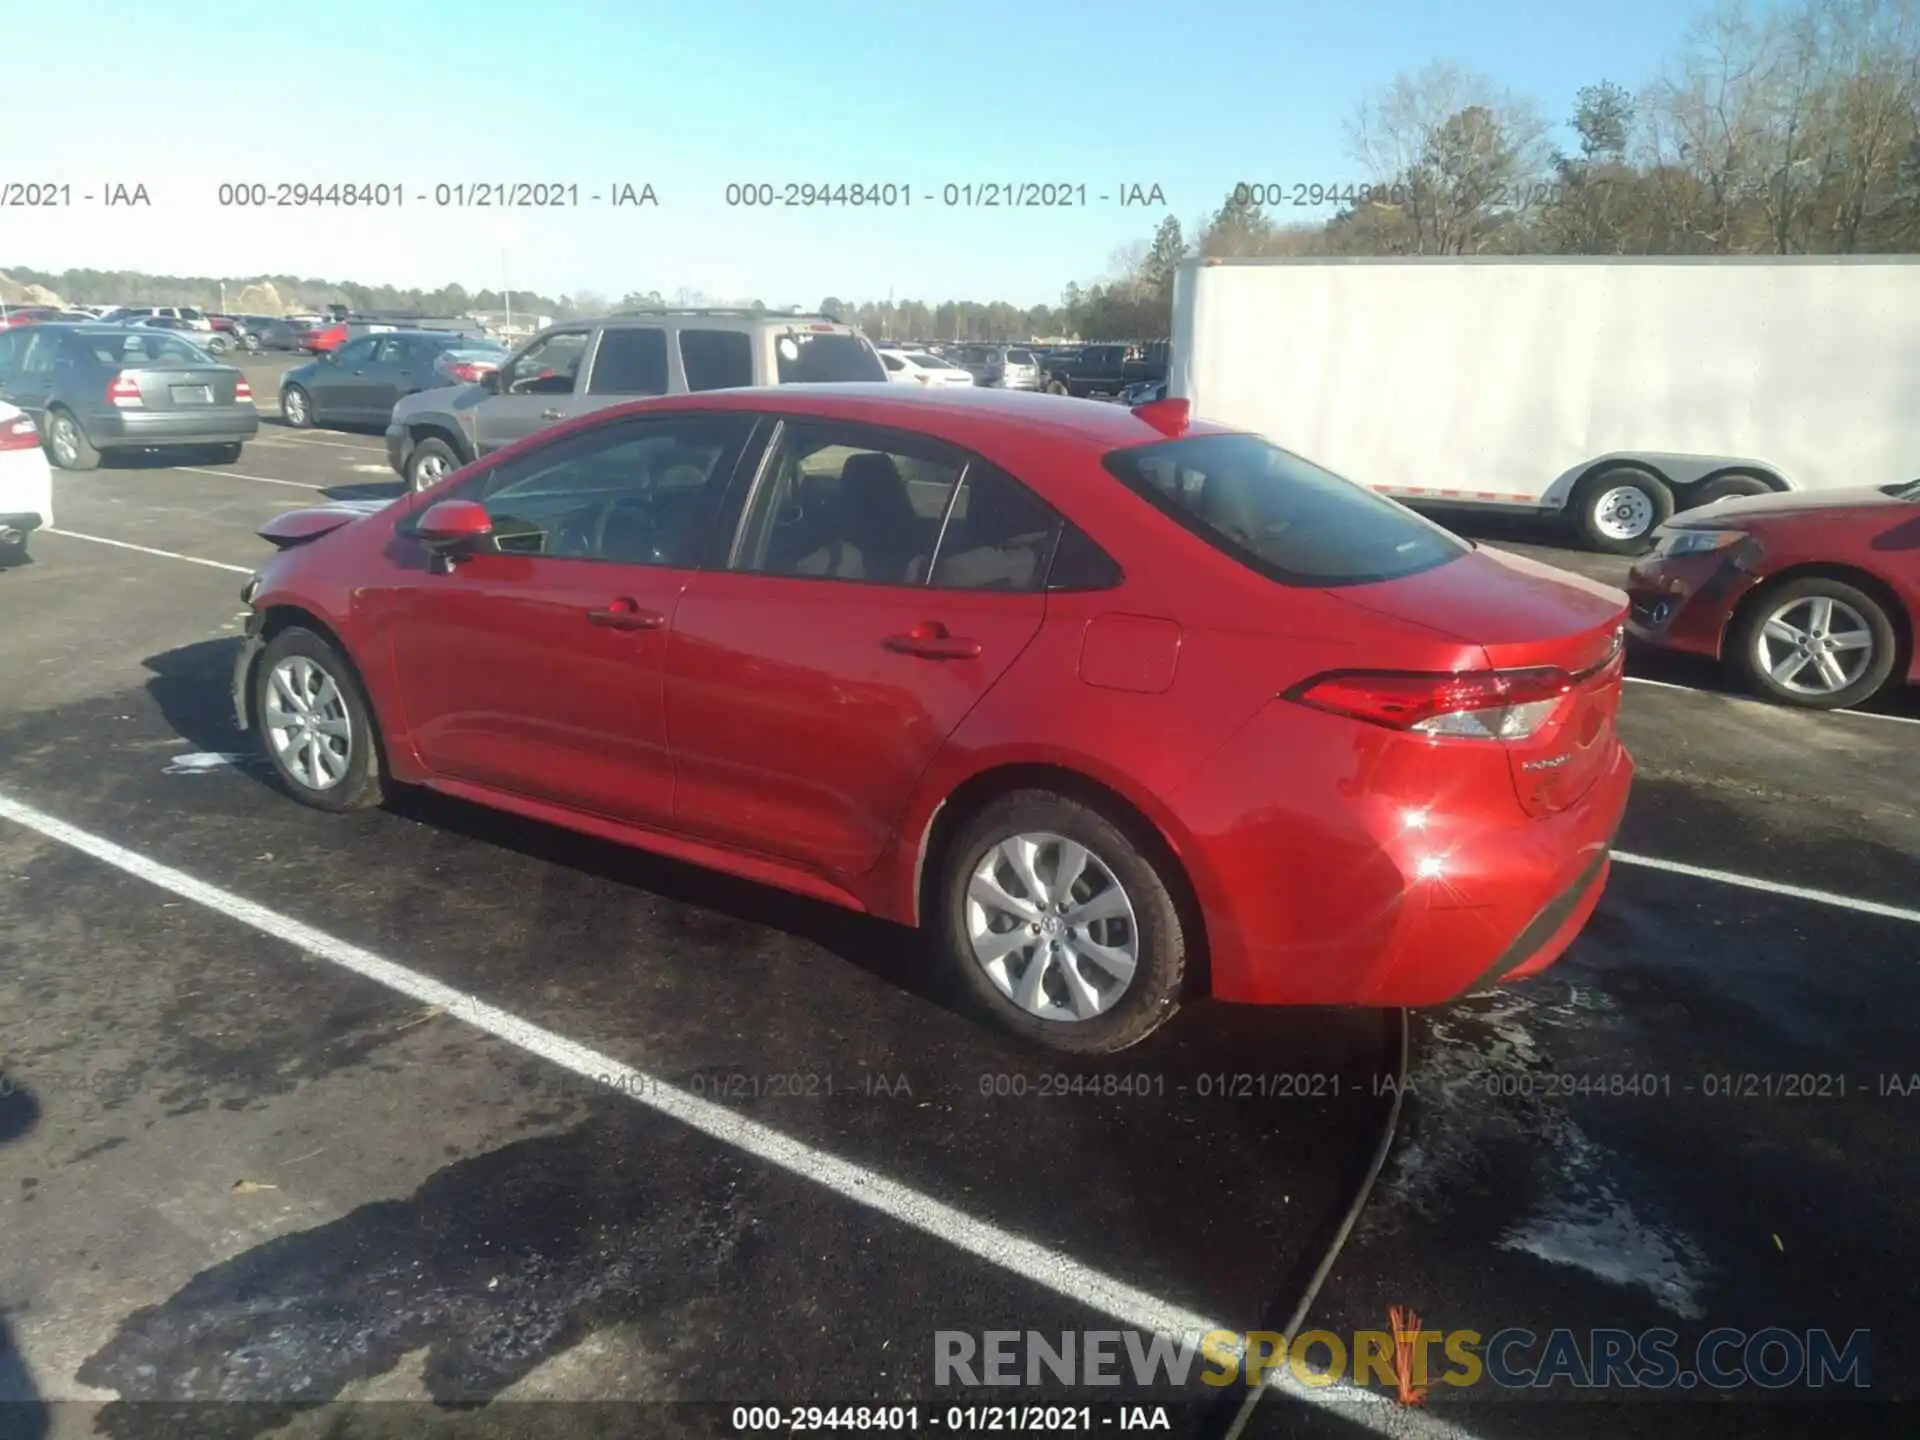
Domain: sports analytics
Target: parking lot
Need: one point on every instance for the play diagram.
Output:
(431, 1104)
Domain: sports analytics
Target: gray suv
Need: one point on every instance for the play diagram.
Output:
(999, 367)
(576, 368)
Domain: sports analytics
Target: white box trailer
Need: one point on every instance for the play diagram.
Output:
(1612, 391)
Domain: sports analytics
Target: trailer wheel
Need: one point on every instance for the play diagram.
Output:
(1741, 484)
(1617, 510)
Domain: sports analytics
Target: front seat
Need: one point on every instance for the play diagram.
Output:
(877, 520)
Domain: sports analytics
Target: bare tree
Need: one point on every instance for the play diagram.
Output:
(1458, 155)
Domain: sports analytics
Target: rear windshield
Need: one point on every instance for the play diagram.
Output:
(1283, 516)
(154, 347)
(1019, 357)
(828, 358)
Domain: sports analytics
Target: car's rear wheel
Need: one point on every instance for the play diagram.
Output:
(1618, 510)
(296, 407)
(1060, 924)
(1056, 387)
(431, 462)
(68, 443)
(1818, 643)
(316, 723)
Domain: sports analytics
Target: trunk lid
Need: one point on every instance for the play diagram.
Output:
(182, 384)
(1525, 615)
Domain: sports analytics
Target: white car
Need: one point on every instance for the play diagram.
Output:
(916, 367)
(26, 483)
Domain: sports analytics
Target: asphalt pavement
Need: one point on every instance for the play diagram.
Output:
(438, 1108)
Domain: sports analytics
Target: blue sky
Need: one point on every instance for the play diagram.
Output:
(690, 97)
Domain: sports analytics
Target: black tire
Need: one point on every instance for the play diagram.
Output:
(224, 454)
(304, 405)
(218, 344)
(252, 344)
(437, 451)
(1605, 503)
(67, 442)
(1152, 995)
(1728, 485)
(359, 786)
(1743, 643)
(13, 552)
(1057, 387)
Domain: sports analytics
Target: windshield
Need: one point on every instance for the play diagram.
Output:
(118, 348)
(828, 358)
(1281, 515)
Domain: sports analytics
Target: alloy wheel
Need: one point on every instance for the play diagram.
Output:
(306, 720)
(294, 404)
(65, 439)
(1052, 927)
(1814, 645)
(428, 470)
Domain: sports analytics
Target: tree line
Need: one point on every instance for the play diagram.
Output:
(1777, 129)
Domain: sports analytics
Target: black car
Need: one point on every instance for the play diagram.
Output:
(360, 383)
(92, 388)
(267, 332)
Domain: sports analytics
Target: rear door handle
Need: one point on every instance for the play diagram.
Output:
(931, 641)
(625, 614)
(552, 414)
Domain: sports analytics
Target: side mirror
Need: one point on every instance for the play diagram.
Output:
(451, 529)
(490, 382)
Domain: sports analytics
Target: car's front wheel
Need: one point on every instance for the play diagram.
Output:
(317, 725)
(431, 462)
(1818, 643)
(296, 407)
(1060, 924)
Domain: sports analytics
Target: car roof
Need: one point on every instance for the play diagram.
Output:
(965, 416)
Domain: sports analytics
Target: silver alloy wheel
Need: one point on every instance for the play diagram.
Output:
(307, 723)
(1052, 926)
(1815, 645)
(428, 470)
(1623, 513)
(64, 437)
(293, 405)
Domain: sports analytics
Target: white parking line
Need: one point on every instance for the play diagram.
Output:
(1751, 700)
(292, 443)
(1025, 1259)
(1773, 887)
(149, 550)
(236, 475)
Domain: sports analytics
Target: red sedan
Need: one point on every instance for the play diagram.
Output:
(1812, 599)
(1117, 707)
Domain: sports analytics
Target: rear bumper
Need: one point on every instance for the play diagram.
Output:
(209, 425)
(1386, 880)
(399, 449)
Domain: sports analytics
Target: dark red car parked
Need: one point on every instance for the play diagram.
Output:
(1812, 599)
(1118, 707)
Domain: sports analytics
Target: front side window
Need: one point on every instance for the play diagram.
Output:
(630, 361)
(1281, 515)
(357, 352)
(839, 502)
(549, 366)
(716, 359)
(642, 493)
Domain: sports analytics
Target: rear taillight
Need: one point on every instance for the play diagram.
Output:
(124, 392)
(242, 391)
(466, 371)
(1468, 705)
(20, 434)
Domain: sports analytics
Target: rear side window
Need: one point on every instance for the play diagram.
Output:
(826, 358)
(630, 362)
(998, 535)
(716, 359)
(1281, 515)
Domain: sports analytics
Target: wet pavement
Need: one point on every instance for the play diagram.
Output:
(254, 1175)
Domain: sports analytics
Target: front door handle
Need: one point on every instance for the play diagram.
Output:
(552, 414)
(930, 641)
(625, 614)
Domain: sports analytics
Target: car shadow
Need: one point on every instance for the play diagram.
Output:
(191, 688)
(24, 1415)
